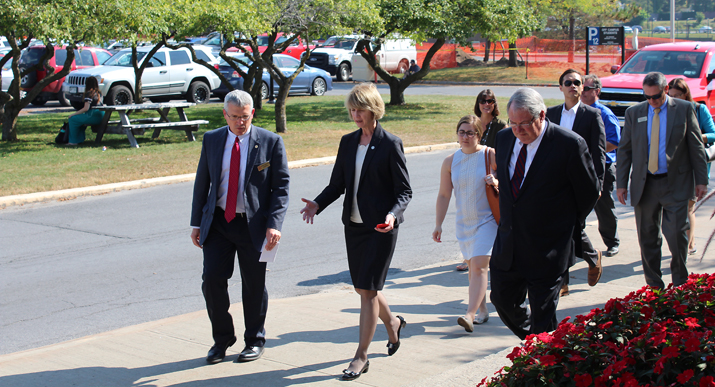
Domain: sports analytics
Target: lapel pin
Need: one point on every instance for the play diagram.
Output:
(256, 146)
(372, 147)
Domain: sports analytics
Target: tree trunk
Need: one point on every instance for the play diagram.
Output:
(9, 120)
(255, 90)
(281, 122)
(572, 37)
(397, 85)
(512, 55)
(486, 51)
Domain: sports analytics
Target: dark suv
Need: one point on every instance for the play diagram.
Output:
(83, 58)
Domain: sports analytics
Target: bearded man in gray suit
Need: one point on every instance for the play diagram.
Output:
(662, 145)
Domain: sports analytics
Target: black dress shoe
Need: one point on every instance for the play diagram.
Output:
(351, 375)
(611, 251)
(218, 351)
(250, 354)
(393, 347)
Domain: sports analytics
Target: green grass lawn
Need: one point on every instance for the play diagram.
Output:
(35, 164)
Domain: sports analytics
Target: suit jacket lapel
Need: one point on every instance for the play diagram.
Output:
(542, 153)
(218, 145)
(577, 120)
(350, 154)
(371, 149)
(671, 112)
(504, 166)
(254, 145)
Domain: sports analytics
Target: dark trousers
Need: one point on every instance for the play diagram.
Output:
(656, 207)
(508, 295)
(606, 209)
(224, 241)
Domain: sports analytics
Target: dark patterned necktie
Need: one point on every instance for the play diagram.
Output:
(518, 172)
(233, 173)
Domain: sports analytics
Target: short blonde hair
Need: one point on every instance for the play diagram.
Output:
(366, 97)
(472, 121)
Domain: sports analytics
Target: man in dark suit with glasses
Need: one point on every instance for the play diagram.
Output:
(586, 122)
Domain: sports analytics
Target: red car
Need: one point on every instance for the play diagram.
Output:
(84, 57)
(692, 61)
(295, 50)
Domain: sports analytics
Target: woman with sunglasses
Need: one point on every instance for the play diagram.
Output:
(465, 173)
(677, 88)
(487, 109)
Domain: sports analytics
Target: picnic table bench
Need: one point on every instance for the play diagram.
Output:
(133, 127)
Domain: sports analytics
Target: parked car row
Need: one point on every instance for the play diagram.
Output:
(170, 74)
(310, 81)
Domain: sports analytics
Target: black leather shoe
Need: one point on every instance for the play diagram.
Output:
(611, 251)
(393, 347)
(250, 354)
(218, 351)
(351, 375)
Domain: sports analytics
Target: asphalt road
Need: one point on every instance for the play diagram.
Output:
(79, 267)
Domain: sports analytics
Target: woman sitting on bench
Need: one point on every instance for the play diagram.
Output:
(86, 116)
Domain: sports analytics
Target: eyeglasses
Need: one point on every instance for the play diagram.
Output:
(575, 82)
(589, 88)
(654, 96)
(236, 118)
(522, 125)
(469, 134)
(676, 94)
(487, 101)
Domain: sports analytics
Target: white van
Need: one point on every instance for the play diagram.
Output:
(336, 55)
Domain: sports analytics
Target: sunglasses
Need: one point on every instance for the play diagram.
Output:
(487, 101)
(575, 82)
(589, 88)
(654, 96)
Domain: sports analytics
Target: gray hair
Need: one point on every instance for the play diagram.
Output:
(238, 98)
(655, 79)
(527, 99)
(593, 77)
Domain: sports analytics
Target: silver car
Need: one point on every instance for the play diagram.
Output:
(170, 74)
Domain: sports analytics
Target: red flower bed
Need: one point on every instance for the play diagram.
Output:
(652, 337)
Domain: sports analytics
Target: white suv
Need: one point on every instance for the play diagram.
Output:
(169, 74)
(336, 55)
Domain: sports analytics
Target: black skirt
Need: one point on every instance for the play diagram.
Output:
(369, 255)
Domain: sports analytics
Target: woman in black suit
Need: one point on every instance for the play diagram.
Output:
(370, 169)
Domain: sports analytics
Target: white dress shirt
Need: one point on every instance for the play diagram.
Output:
(359, 161)
(568, 116)
(530, 153)
(226, 167)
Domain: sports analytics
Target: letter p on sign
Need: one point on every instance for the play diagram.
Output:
(593, 36)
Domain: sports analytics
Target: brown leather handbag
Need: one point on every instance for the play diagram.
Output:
(492, 192)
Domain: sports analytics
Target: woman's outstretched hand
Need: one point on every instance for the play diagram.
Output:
(309, 211)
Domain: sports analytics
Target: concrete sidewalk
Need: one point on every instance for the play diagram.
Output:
(312, 338)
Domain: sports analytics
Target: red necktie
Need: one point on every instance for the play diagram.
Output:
(518, 171)
(233, 174)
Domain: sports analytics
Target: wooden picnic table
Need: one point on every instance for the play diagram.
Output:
(132, 127)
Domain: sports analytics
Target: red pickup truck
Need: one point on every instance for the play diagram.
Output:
(693, 61)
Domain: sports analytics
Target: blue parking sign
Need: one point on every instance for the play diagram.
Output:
(594, 36)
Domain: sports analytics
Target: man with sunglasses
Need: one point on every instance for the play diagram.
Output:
(605, 207)
(587, 123)
(240, 200)
(661, 151)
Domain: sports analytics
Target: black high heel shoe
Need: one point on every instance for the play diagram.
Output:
(393, 347)
(352, 375)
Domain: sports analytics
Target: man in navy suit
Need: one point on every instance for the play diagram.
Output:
(240, 200)
(548, 186)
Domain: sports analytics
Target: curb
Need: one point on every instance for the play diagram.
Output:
(487, 84)
(73, 193)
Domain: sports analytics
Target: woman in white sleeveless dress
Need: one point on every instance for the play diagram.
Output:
(465, 173)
